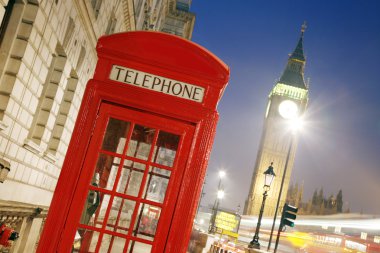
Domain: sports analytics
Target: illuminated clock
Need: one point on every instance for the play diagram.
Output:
(288, 109)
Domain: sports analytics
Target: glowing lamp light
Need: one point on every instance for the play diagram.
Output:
(220, 194)
(269, 176)
(4, 169)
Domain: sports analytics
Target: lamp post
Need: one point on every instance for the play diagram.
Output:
(269, 176)
(215, 208)
(295, 124)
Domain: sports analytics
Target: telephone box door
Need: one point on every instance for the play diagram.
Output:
(130, 179)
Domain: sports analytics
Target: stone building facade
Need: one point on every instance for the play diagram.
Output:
(47, 55)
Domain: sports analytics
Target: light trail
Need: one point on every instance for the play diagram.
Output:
(353, 222)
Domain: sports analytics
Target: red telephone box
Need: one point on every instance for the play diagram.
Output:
(136, 162)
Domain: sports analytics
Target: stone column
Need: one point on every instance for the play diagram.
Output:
(29, 236)
(21, 230)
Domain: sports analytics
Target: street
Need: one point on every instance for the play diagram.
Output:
(333, 234)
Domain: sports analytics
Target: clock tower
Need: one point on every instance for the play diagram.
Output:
(287, 102)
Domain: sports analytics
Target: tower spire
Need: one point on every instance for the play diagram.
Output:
(303, 27)
(298, 51)
(293, 73)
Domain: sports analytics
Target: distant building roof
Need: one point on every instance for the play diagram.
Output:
(183, 5)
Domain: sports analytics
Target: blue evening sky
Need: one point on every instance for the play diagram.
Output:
(339, 147)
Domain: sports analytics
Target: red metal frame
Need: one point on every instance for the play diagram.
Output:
(107, 111)
(162, 55)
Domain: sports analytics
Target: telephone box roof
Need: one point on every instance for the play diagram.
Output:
(163, 49)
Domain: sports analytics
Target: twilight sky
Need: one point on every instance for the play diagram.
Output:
(339, 146)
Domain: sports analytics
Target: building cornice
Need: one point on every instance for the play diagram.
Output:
(129, 17)
(13, 208)
(89, 28)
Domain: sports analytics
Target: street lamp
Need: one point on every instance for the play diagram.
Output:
(220, 194)
(215, 208)
(295, 124)
(269, 176)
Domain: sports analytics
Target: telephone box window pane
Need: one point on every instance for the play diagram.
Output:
(113, 243)
(94, 208)
(105, 171)
(146, 225)
(130, 179)
(104, 244)
(114, 137)
(157, 183)
(141, 142)
(99, 211)
(138, 247)
(120, 215)
(167, 145)
(86, 241)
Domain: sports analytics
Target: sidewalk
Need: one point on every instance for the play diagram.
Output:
(262, 250)
(239, 247)
(255, 251)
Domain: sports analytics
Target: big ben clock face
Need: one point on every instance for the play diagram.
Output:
(288, 109)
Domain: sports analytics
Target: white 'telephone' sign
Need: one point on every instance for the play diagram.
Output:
(157, 83)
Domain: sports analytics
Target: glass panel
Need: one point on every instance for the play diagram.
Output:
(105, 244)
(92, 215)
(101, 213)
(157, 184)
(115, 135)
(167, 145)
(113, 243)
(85, 241)
(105, 171)
(120, 215)
(131, 177)
(146, 224)
(138, 247)
(95, 209)
(117, 244)
(141, 142)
